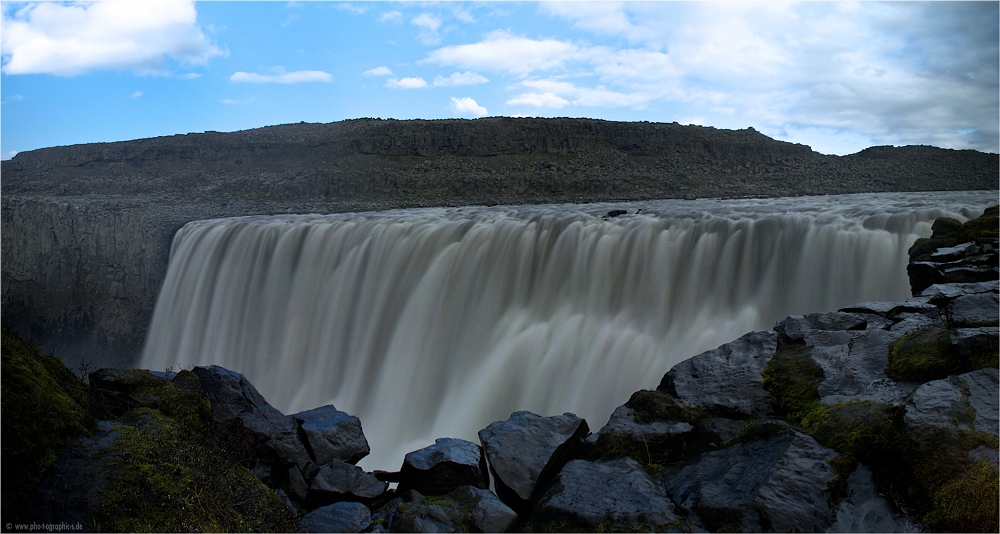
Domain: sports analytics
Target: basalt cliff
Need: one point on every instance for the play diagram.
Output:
(86, 229)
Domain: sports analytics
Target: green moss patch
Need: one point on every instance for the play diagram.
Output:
(967, 502)
(948, 232)
(44, 407)
(648, 407)
(928, 354)
(793, 378)
(170, 478)
(652, 405)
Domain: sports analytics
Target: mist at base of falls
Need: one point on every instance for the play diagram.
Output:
(432, 323)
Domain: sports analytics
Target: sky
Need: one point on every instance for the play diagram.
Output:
(838, 76)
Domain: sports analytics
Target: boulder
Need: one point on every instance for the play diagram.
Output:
(616, 491)
(337, 517)
(331, 434)
(443, 467)
(464, 509)
(526, 451)
(234, 399)
(867, 510)
(778, 483)
(340, 481)
(726, 379)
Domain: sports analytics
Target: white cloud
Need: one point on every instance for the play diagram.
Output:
(467, 106)
(504, 52)
(429, 25)
(135, 95)
(406, 83)
(299, 76)
(190, 76)
(891, 73)
(460, 78)
(540, 100)
(8, 155)
(13, 98)
(230, 101)
(72, 39)
(464, 15)
(390, 16)
(377, 71)
(347, 6)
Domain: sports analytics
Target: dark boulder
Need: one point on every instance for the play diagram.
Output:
(726, 379)
(337, 517)
(652, 441)
(464, 509)
(526, 451)
(443, 467)
(340, 481)
(234, 399)
(618, 492)
(778, 481)
(331, 434)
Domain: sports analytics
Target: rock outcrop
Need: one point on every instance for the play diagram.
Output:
(86, 229)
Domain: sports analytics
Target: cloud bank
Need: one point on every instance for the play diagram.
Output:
(72, 39)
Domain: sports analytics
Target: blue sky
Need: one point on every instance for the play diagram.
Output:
(838, 76)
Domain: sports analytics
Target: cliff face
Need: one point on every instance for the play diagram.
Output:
(86, 229)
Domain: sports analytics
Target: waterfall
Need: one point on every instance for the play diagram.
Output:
(435, 322)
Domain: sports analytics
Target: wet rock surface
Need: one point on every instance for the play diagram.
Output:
(337, 517)
(332, 434)
(526, 451)
(443, 467)
(726, 379)
(618, 492)
(777, 484)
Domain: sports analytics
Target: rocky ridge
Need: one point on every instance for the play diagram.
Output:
(86, 229)
(881, 416)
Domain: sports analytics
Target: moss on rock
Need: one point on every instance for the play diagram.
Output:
(928, 354)
(170, 477)
(793, 378)
(44, 407)
(922, 355)
(948, 232)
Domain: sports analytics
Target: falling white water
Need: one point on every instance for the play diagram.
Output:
(430, 323)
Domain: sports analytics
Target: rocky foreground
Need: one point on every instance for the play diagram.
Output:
(879, 417)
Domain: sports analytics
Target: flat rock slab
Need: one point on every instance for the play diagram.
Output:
(615, 491)
(866, 510)
(234, 398)
(337, 517)
(975, 310)
(443, 467)
(341, 481)
(526, 451)
(795, 326)
(969, 400)
(332, 434)
(778, 484)
(726, 379)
